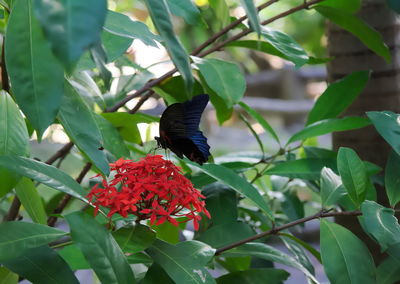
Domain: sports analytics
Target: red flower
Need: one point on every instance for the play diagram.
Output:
(151, 188)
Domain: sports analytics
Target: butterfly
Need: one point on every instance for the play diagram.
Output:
(179, 130)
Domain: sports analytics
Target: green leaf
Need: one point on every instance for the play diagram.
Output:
(330, 125)
(155, 274)
(136, 239)
(222, 235)
(387, 124)
(394, 5)
(224, 78)
(221, 10)
(370, 37)
(342, 252)
(79, 123)
(100, 249)
(167, 232)
(42, 265)
(388, 271)
(14, 139)
(160, 16)
(31, 200)
(353, 173)
(221, 202)
(299, 254)
(381, 223)
(252, 15)
(173, 90)
(392, 179)
(71, 26)
(305, 245)
(121, 25)
(7, 276)
(16, 237)
(43, 173)
(114, 45)
(112, 140)
(184, 262)
(286, 45)
(292, 206)
(255, 275)
(255, 135)
(185, 9)
(338, 96)
(74, 257)
(85, 85)
(239, 184)
(309, 169)
(127, 124)
(350, 6)
(332, 189)
(37, 87)
(267, 252)
(256, 116)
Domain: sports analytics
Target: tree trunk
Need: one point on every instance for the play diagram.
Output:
(381, 93)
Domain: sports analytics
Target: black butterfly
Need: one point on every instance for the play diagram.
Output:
(179, 130)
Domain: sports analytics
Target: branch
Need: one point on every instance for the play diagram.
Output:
(4, 75)
(273, 231)
(51, 221)
(14, 209)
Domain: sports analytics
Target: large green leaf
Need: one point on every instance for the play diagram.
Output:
(224, 78)
(71, 26)
(286, 45)
(338, 96)
(221, 202)
(160, 16)
(37, 87)
(113, 141)
(31, 200)
(14, 139)
(331, 187)
(43, 173)
(74, 257)
(224, 234)
(370, 37)
(79, 123)
(342, 253)
(183, 262)
(114, 45)
(299, 253)
(241, 185)
(267, 252)
(256, 116)
(185, 9)
(136, 239)
(17, 237)
(255, 275)
(127, 124)
(388, 272)
(121, 25)
(100, 249)
(381, 223)
(330, 125)
(350, 6)
(221, 10)
(392, 180)
(7, 276)
(309, 168)
(42, 265)
(387, 124)
(353, 173)
(252, 15)
(155, 274)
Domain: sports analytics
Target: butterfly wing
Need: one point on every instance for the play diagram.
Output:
(179, 129)
(192, 114)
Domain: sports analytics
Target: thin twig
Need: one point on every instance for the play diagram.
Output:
(321, 214)
(51, 221)
(13, 211)
(141, 101)
(60, 153)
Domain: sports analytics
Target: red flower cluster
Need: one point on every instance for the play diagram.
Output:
(150, 188)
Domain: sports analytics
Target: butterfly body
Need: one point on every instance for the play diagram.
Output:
(179, 130)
